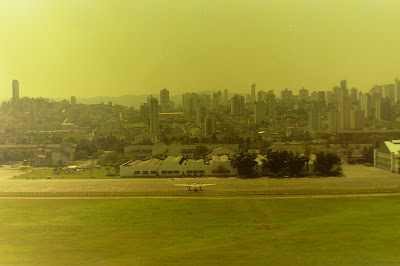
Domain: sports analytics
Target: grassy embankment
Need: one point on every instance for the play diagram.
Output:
(338, 231)
(43, 173)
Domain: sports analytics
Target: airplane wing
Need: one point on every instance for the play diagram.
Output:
(203, 185)
(183, 185)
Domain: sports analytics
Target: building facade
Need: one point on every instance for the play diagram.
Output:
(387, 156)
(175, 166)
(164, 101)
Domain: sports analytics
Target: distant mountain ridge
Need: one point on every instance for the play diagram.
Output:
(130, 100)
(127, 100)
(137, 100)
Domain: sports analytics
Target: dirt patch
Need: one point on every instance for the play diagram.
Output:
(267, 227)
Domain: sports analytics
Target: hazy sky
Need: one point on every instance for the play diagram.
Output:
(115, 47)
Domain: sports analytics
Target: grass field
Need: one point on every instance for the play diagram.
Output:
(341, 231)
(42, 173)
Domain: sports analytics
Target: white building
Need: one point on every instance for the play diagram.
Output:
(172, 166)
(178, 166)
(140, 168)
(387, 156)
(221, 166)
(197, 168)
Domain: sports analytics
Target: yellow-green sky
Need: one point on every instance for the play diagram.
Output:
(115, 47)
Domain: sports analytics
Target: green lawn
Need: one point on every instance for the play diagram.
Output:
(338, 231)
(42, 173)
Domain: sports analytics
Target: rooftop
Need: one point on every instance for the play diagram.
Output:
(393, 145)
(176, 159)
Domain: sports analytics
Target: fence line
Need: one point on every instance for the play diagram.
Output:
(188, 193)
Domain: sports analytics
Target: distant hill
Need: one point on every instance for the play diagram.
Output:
(137, 100)
(130, 100)
(127, 100)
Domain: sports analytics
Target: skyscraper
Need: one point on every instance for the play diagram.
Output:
(382, 109)
(357, 119)
(226, 97)
(345, 112)
(15, 99)
(189, 103)
(397, 90)
(73, 100)
(15, 90)
(259, 113)
(201, 113)
(343, 88)
(270, 101)
(287, 96)
(304, 95)
(217, 99)
(314, 120)
(333, 121)
(237, 105)
(154, 110)
(366, 105)
(164, 101)
(353, 95)
(209, 125)
(389, 92)
(253, 93)
(260, 97)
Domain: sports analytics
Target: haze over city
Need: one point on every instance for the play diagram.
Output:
(90, 48)
(210, 132)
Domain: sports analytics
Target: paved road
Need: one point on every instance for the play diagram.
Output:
(8, 172)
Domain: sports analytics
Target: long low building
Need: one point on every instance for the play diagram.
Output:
(219, 165)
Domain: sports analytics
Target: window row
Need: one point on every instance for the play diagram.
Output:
(196, 171)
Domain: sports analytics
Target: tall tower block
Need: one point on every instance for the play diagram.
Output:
(164, 101)
(15, 90)
(253, 93)
(154, 110)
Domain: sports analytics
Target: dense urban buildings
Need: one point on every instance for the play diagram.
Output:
(331, 116)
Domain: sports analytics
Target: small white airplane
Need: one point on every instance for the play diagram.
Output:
(194, 187)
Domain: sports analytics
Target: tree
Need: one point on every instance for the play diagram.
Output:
(200, 152)
(85, 148)
(2, 159)
(263, 146)
(81, 155)
(70, 139)
(244, 162)
(368, 154)
(296, 163)
(57, 170)
(325, 162)
(284, 162)
(114, 159)
(276, 161)
(307, 154)
(13, 155)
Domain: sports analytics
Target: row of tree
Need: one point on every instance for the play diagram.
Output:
(286, 163)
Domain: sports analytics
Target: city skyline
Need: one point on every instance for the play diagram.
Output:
(245, 91)
(121, 47)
